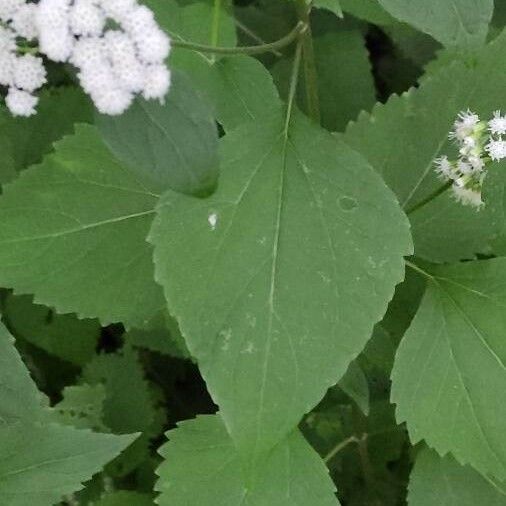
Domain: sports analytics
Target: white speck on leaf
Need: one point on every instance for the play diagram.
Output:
(213, 220)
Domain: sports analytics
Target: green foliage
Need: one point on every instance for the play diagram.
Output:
(440, 481)
(453, 22)
(288, 189)
(58, 458)
(457, 331)
(85, 255)
(174, 146)
(64, 336)
(220, 268)
(202, 466)
(443, 230)
(345, 82)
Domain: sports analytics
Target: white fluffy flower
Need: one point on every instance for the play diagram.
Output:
(7, 61)
(157, 82)
(53, 25)
(117, 9)
(23, 21)
(444, 168)
(29, 73)
(87, 18)
(112, 101)
(468, 196)
(464, 126)
(497, 125)
(8, 8)
(7, 40)
(21, 103)
(496, 149)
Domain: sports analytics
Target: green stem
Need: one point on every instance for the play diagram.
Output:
(339, 447)
(310, 72)
(293, 86)
(299, 29)
(250, 33)
(427, 199)
(215, 28)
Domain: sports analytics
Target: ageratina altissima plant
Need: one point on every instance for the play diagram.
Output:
(480, 143)
(116, 46)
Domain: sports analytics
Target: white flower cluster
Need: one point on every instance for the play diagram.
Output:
(479, 144)
(116, 46)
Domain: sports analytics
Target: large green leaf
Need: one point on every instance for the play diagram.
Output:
(24, 141)
(402, 138)
(203, 467)
(278, 279)
(170, 145)
(451, 22)
(449, 377)
(40, 464)
(437, 481)
(72, 231)
(238, 88)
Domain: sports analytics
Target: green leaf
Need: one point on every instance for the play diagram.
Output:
(40, 464)
(354, 384)
(449, 377)
(174, 145)
(238, 88)
(402, 138)
(437, 481)
(367, 10)
(451, 22)
(277, 279)
(125, 498)
(330, 5)
(161, 334)
(64, 336)
(42, 461)
(24, 141)
(72, 231)
(19, 398)
(203, 467)
(345, 82)
(129, 404)
(81, 407)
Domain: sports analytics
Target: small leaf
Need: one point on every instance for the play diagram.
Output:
(202, 467)
(171, 145)
(72, 231)
(354, 384)
(64, 336)
(449, 377)
(451, 22)
(441, 481)
(278, 278)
